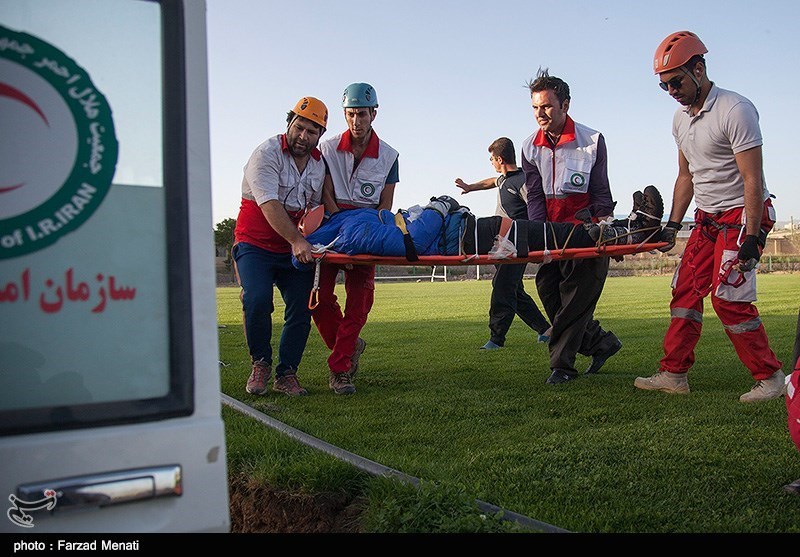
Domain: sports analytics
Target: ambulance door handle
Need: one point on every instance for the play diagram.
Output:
(109, 488)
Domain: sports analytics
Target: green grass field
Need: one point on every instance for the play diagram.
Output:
(593, 455)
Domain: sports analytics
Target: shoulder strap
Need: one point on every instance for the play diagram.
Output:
(408, 242)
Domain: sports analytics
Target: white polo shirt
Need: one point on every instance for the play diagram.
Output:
(726, 124)
(272, 174)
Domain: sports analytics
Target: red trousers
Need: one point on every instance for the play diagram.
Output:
(340, 331)
(793, 404)
(707, 267)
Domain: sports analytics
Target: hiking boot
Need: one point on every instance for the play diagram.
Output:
(288, 385)
(341, 383)
(645, 220)
(259, 378)
(673, 383)
(766, 389)
(643, 223)
(600, 358)
(608, 234)
(651, 206)
(490, 346)
(361, 345)
(558, 377)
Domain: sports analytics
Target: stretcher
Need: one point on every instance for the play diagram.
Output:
(533, 256)
(541, 256)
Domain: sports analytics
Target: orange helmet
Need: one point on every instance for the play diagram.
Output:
(676, 50)
(313, 109)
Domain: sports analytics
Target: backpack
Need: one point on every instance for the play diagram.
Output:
(452, 230)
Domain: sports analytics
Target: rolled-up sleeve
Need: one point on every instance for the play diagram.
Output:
(262, 173)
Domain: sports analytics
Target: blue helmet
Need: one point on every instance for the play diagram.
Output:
(359, 95)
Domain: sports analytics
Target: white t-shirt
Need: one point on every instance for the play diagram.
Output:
(726, 124)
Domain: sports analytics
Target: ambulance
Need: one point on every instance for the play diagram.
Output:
(110, 404)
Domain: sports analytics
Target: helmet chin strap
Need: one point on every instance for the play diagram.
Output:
(697, 85)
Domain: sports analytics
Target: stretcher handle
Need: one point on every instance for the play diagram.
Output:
(313, 297)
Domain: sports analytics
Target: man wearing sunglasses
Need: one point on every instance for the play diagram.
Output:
(720, 167)
(282, 178)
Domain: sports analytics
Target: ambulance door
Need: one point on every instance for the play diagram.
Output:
(110, 416)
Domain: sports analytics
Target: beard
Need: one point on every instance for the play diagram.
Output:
(299, 150)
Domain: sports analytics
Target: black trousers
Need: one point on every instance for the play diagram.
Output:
(558, 235)
(569, 291)
(509, 299)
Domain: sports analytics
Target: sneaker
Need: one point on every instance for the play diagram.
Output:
(444, 204)
(289, 385)
(490, 346)
(341, 383)
(673, 383)
(361, 345)
(601, 357)
(766, 389)
(259, 378)
(545, 336)
(793, 487)
(558, 377)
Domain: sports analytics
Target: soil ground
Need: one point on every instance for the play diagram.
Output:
(257, 508)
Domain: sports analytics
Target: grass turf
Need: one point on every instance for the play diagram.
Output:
(592, 455)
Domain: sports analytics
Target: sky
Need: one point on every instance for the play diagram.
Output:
(451, 77)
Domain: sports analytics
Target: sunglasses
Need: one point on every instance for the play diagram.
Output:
(676, 83)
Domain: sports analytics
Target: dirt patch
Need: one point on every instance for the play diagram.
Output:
(258, 508)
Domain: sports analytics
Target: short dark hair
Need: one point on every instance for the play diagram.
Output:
(290, 116)
(503, 148)
(544, 81)
(693, 62)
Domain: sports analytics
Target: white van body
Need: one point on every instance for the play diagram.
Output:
(110, 414)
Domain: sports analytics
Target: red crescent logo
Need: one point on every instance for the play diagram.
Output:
(17, 95)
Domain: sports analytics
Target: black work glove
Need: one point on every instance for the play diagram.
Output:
(668, 234)
(749, 253)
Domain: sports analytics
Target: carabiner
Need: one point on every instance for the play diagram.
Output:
(725, 273)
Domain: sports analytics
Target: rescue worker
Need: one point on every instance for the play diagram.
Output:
(566, 174)
(720, 166)
(362, 171)
(282, 178)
